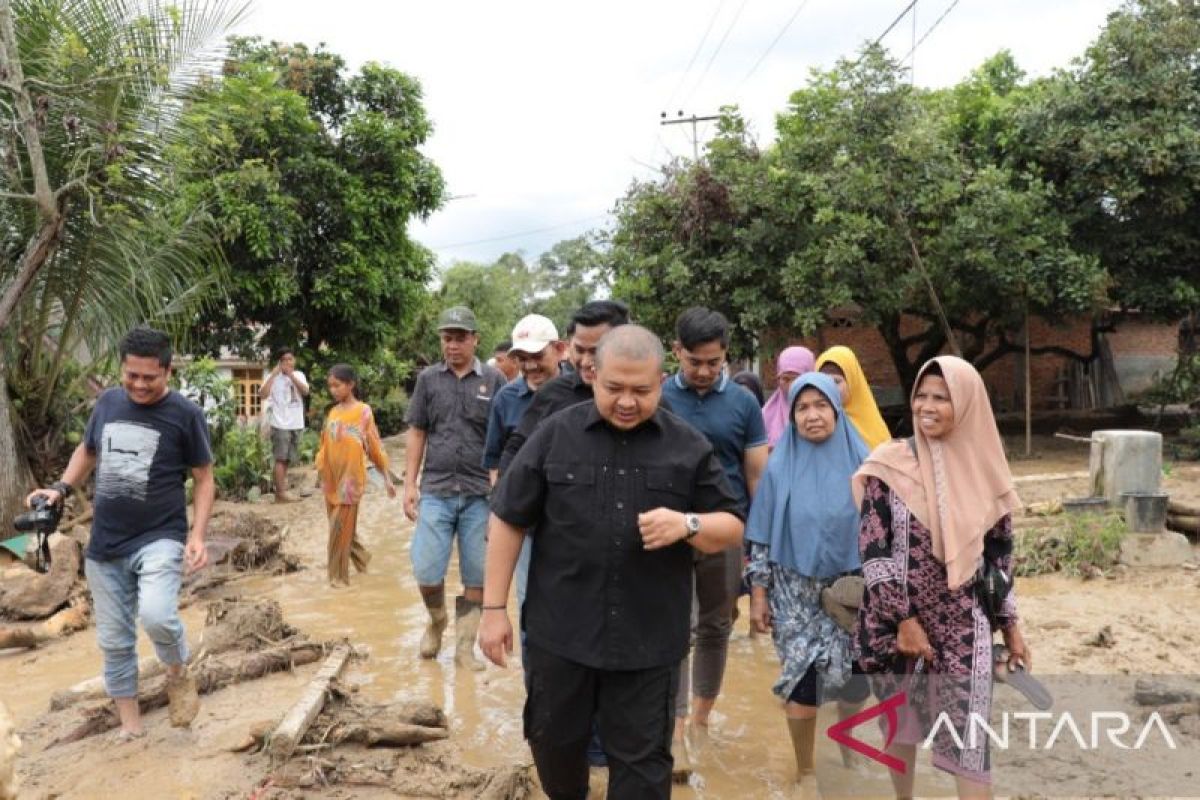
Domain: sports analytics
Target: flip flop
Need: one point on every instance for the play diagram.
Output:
(1033, 689)
(122, 736)
(841, 600)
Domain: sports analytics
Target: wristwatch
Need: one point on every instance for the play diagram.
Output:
(691, 522)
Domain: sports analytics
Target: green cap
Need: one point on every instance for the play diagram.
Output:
(459, 318)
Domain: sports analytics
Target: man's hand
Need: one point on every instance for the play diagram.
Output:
(53, 495)
(391, 489)
(661, 527)
(195, 555)
(911, 640)
(411, 498)
(496, 636)
(760, 609)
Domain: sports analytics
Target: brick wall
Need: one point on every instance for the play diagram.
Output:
(1140, 349)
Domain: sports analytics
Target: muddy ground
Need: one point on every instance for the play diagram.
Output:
(1151, 615)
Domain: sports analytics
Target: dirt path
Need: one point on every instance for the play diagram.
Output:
(1151, 615)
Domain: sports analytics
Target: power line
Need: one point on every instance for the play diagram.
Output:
(930, 29)
(696, 53)
(717, 51)
(774, 42)
(895, 22)
(518, 234)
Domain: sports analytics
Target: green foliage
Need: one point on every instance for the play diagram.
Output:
(313, 176)
(1181, 385)
(241, 456)
(1119, 135)
(242, 462)
(563, 278)
(1084, 544)
(867, 169)
(105, 80)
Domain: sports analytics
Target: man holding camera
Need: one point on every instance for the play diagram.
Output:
(142, 440)
(286, 387)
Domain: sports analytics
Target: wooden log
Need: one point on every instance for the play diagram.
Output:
(210, 676)
(93, 688)
(387, 734)
(1184, 524)
(1051, 476)
(62, 623)
(294, 725)
(1178, 507)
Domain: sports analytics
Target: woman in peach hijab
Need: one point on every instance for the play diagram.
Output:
(935, 509)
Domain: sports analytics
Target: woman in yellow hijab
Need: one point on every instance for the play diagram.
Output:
(840, 363)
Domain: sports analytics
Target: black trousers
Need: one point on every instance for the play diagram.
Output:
(633, 709)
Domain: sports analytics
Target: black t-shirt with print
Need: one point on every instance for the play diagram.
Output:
(144, 454)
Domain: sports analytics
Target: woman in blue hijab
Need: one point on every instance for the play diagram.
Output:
(803, 535)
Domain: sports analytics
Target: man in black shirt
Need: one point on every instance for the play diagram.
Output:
(584, 331)
(617, 495)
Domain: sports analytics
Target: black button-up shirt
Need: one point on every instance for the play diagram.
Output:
(453, 412)
(595, 595)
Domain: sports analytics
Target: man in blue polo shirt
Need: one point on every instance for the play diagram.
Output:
(538, 351)
(703, 395)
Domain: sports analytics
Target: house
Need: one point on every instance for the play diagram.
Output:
(1132, 353)
(247, 377)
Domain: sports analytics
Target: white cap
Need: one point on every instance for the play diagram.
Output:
(532, 334)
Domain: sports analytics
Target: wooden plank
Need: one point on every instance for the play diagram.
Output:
(293, 727)
(1052, 476)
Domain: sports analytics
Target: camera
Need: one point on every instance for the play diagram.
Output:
(42, 518)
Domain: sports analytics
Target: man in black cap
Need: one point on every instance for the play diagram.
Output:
(617, 495)
(447, 422)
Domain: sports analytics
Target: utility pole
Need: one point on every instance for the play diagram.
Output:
(694, 120)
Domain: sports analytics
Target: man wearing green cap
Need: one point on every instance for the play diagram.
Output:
(447, 424)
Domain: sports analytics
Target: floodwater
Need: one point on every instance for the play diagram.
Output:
(747, 753)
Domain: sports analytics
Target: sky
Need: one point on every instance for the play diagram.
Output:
(545, 111)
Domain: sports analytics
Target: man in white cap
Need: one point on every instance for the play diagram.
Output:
(538, 351)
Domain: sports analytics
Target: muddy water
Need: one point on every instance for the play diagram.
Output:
(746, 753)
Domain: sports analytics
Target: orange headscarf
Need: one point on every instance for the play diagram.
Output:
(959, 485)
(860, 405)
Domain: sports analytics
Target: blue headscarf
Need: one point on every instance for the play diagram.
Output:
(803, 509)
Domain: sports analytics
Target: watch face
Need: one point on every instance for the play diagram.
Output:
(692, 522)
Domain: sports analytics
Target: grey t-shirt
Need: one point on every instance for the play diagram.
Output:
(453, 412)
(143, 456)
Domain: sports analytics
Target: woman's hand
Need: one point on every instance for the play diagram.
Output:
(1018, 651)
(911, 640)
(760, 609)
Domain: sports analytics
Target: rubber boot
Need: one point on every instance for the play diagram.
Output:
(850, 759)
(466, 629)
(431, 641)
(804, 740)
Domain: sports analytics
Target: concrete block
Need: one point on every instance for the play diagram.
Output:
(1168, 549)
(1125, 461)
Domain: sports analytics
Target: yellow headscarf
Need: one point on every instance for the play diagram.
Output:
(860, 405)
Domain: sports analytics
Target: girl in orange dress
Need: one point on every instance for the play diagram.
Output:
(347, 440)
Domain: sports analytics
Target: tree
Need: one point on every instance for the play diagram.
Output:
(93, 236)
(1119, 135)
(314, 177)
(868, 203)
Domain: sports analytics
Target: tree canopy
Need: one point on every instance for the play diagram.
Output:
(313, 176)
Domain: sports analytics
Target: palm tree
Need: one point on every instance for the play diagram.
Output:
(93, 238)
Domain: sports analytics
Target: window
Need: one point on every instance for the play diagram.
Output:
(246, 384)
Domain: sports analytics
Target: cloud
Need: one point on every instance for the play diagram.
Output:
(542, 110)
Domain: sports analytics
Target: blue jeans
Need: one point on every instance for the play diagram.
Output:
(142, 585)
(439, 520)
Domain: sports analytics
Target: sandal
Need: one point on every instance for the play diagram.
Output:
(1033, 689)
